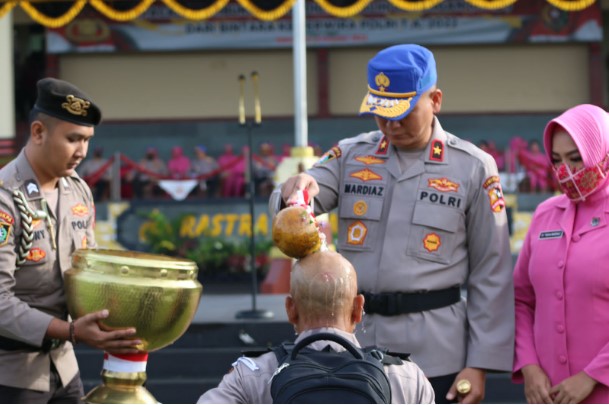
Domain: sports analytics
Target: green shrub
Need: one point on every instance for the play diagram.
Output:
(213, 255)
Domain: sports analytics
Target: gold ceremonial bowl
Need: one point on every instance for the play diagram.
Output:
(156, 294)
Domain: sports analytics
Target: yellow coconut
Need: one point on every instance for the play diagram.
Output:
(295, 232)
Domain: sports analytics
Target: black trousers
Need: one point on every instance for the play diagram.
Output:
(441, 385)
(72, 393)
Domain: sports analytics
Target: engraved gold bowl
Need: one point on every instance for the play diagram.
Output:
(157, 295)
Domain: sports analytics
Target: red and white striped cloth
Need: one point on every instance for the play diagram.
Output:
(125, 363)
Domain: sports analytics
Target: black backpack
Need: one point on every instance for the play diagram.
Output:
(353, 376)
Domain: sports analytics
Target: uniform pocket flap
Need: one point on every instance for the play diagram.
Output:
(433, 216)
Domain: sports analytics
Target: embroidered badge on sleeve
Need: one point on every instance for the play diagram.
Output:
(6, 225)
(333, 153)
(495, 193)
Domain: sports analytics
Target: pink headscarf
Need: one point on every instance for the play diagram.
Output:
(588, 125)
(178, 165)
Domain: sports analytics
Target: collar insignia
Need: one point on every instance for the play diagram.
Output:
(31, 189)
(436, 152)
(383, 146)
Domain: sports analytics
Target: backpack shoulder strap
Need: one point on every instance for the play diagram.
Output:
(350, 347)
(255, 353)
(282, 351)
(402, 356)
(387, 358)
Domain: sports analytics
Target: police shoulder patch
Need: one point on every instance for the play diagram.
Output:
(7, 218)
(6, 226)
(5, 232)
(333, 153)
(493, 189)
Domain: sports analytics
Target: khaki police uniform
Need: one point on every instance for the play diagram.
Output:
(248, 382)
(436, 227)
(31, 295)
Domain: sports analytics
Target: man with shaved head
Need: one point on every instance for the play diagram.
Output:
(323, 294)
(323, 298)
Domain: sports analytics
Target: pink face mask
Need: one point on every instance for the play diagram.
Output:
(578, 184)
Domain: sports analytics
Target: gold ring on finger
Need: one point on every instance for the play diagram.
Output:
(464, 386)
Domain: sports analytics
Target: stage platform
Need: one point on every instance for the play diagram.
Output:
(223, 308)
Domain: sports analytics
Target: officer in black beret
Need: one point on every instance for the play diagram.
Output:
(46, 213)
(66, 102)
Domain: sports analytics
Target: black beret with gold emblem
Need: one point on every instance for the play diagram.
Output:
(66, 102)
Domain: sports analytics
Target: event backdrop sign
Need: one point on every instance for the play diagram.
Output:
(223, 219)
(450, 23)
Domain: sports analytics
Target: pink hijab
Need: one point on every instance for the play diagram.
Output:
(588, 125)
(179, 164)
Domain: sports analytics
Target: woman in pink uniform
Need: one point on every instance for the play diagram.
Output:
(561, 278)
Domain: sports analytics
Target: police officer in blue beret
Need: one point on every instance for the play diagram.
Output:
(421, 217)
(46, 213)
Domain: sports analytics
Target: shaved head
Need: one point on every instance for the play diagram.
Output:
(323, 286)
